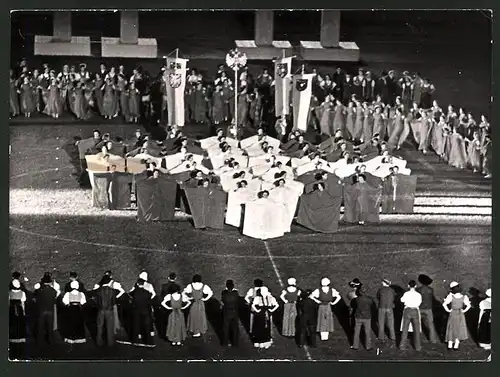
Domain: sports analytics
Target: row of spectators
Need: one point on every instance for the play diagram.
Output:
(131, 317)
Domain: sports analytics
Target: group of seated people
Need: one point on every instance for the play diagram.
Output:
(136, 316)
(258, 184)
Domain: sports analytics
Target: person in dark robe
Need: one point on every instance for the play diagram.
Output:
(398, 193)
(228, 95)
(319, 211)
(46, 299)
(361, 202)
(362, 306)
(307, 319)
(347, 89)
(230, 299)
(207, 205)
(142, 315)
(74, 301)
(426, 307)
(218, 105)
(156, 197)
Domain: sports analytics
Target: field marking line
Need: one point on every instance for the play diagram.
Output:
(125, 247)
(278, 275)
(39, 172)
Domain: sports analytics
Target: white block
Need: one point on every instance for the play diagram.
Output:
(312, 50)
(113, 48)
(255, 52)
(45, 45)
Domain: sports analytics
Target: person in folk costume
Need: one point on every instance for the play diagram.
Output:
(80, 106)
(358, 124)
(405, 83)
(109, 99)
(13, 95)
(123, 97)
(16, 275)
(263, 305)
(367, 132)
(46, 299)
(243, 105)
(290, 295)
(426, 96)
(230, 308)
(456, 304)
(471, 127)
(53, 107)
(339, 117)
(348, 89)
(97, 93)
(436, 110)
(307, 319)
(326, 297)
(457, 155)
(426, 313)
(355, 284)
(142, 318)
(143, 276)
(176, 302)
(120, 292)
(484, 128)
(74, 300)
(218, 105)
(379, 126)
(385, 303)
(199, 105)
(393, 90)
(368, 87)
(486, 152)
(416, 88)
(134, 103)
(452, 117)
(438, 136)
(35, 82)
(73, 276)
(162, 313)
(250, 296)
(17, 313)
(27, 98)
(474, 152)
(198, 293)
(326, 118)
(462, 122)
(357, 82)
(425, 132)
(228, 95)
(350, 121)
(256, 108)
(484, 323)
(411, 316)
(362, 311)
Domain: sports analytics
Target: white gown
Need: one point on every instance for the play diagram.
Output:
(235, 199)
(289, 198)
(264, 219)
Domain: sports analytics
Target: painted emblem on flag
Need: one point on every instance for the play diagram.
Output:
(301, 84)
(175, 80)
(175, 65)
(282, 69)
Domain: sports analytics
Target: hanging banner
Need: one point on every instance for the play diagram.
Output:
(176, 84)
(282, 85)
(302, 91)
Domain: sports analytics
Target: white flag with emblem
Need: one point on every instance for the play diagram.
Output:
(176, 84)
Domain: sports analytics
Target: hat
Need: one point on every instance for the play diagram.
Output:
(386, 281)
(83, 65)
(453, 284)
(16, 284)
(74, 285)
(325, 282)
(73, 274)
(488, 292)
(292, 281)
(355, 283)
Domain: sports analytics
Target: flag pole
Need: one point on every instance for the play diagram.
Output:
(236, 102)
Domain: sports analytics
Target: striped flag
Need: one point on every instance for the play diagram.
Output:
(302, 91)
(176, 84)
(282, 85)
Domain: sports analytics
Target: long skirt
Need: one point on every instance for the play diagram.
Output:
(367, 128)
(484, 329)
(425, 136)
(474, 156)
(437, 139)
(456, 328)
(325, 319)
(109, 104)
(176, 326)
(197, 319)
(349, 124)
(17, 326)
(124, 104)
(14, 101)
(358, 127)
(74, 326)
(326, 122)
(289, 318)
(261, 327)
(339, 122)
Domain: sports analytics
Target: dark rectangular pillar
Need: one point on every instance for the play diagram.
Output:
(330, 28)
(62, 26)
(264, 27)
(129, 27)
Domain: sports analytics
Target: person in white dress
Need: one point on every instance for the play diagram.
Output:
(325, 297)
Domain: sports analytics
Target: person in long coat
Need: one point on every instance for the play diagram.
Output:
(134, 103)
(263, 305)
(17, 313)
(109, 100)
(98, 87)
(358, 124)
(456, 304)
(379, 123)
(290, 295)
(327, 116)
(123, 96)
(198, 293)
(339, 117)
(53, 106)
(74, 328)
(28, 104)
(325, 297)
(176, 325)
(350, 121)
(367, 133)
(484, 324)
(218, 105)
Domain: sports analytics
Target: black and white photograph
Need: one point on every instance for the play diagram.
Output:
(250, 185)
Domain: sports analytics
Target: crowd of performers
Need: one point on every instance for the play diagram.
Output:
(258, 184)
(136, 316)
(361, 105)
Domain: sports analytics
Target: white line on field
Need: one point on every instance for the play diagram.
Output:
(278, 275)
(39, 172)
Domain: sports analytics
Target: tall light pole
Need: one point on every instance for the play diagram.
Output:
(236, 60)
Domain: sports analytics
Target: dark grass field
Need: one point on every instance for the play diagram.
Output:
(62, 234)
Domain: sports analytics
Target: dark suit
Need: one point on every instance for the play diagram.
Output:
(307, 318)
(385, 298)
(426, 314)
(46, 298)
(362, 307)
(141, 313)
(230, 329)
(105, 298)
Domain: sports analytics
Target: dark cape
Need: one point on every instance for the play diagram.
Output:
(361, 203)
(119, 193)
(319, 211)
(207, 205)
(399, 196)
(156, 198)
